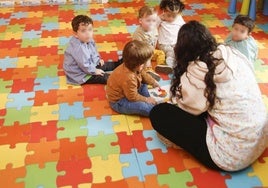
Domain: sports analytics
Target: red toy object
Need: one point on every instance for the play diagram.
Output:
(163, 92)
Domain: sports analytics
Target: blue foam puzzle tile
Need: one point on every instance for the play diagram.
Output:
(75, 110)
(19, 100)
(8, 62)
(95, 126)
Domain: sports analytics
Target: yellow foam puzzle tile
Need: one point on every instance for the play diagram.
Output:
(38, 14)
(44, 113)
(63, 84)
(27, 61)
(65, 25)
(106, 46)
(122, 125)
(134, 123)
(4, 99)
(127, 10)
(111, 167)
(15, 156)
(11, 35)
(120, 29)
(49, 41)
(260, 170)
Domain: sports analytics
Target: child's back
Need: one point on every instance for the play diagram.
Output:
(126, 88)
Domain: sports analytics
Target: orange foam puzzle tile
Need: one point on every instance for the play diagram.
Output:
(7, 74)
(70, 96)
(9, 175)
(47, 33)
(44, 151)
(98, 109)
(68, 150)
(24, 73)
(164, 161)
(15, 134)
(133, 182)
(111, 184)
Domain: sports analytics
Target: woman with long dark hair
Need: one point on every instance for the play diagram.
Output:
(218, 116)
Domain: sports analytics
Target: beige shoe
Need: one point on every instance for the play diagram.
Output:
(167, 142)
(164, 69)
(150, 71)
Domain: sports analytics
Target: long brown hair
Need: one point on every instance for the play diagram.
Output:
(195, 43)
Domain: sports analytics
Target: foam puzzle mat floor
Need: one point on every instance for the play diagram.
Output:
(57, 135)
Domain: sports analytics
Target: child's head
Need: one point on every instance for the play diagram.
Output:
(171, 9)
(242, 27)
(147, 18)
(83, 28)
(136, 54)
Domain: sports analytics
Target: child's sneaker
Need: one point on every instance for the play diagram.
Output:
(164, 69)
(150, 71)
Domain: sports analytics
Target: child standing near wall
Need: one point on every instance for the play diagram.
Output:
(170, 21)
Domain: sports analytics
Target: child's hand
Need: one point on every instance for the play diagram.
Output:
(162, 17)
(156, 84)
(101, 62)
(151, 100)
(99, 72)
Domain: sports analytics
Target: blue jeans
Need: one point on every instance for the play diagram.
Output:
(124, 106)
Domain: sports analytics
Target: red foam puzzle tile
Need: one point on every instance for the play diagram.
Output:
(48, 131)
(27, 85)
(75, 172)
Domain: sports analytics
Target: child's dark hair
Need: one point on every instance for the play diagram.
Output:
(136, 53)
(245, 21)
(172, 5)
(146, 11)
(80, 19)
(195, 43)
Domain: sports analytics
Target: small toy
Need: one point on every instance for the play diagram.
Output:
(163, 92)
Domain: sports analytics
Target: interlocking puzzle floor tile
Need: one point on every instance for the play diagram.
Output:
(53, 134)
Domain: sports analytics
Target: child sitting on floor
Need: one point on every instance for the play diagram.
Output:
(147, 31)
(126, 88)
(241, 39)
(82, 62)
(170, 22)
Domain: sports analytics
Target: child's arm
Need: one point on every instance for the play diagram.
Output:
(130, 89)
(148, 79)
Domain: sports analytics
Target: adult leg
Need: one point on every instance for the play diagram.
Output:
(183, 129)
(125, 106)
(97, 79)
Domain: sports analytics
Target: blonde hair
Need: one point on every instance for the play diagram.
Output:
(146, 11)
(136, 53)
